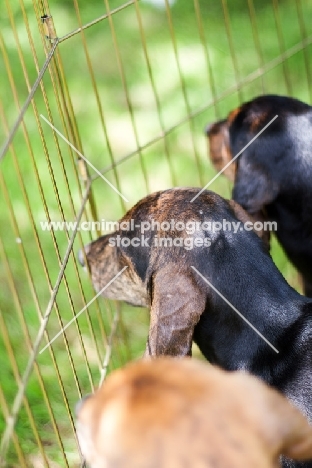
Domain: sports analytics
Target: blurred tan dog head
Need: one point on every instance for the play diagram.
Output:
(173, 413)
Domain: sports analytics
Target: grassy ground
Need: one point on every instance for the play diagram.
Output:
(38, 178)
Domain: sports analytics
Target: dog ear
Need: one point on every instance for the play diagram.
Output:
(285, 427)
(177, 304)
(253, 186)
(297, 442)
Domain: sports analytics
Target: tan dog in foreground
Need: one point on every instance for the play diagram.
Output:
(180, 413)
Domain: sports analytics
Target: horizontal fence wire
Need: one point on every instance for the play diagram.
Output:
(72, 188)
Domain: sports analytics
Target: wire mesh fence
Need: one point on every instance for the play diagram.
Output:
(106, 94)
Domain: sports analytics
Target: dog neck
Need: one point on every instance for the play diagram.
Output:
(267, 316)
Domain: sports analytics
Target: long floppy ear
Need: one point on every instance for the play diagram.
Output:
(253, 186)
(177, 304)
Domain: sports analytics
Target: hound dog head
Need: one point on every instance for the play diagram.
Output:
(272, 175)
(158, 241)
(169, 413)
(265, 169)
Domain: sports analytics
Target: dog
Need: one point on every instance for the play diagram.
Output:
(172, 282)
(272, 176)
(172, 413)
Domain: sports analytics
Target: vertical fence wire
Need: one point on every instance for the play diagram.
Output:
(19, 310)
(41, 191)
(22, 318)
(255, 32)
(69, 124)
(36, 346)
(155, 93)
(203, 38)
(35, 170)
(304, 35)
(227, 23)
(27, 270)
(184, 91)
(70, 130)
(98, 101)
(64, 173)
(126, 91)
(106, 136)
(282, 47)
(5, 411)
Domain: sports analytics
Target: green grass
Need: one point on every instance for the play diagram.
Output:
(57, 191)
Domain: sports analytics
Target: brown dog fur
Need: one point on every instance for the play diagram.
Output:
(173, 413)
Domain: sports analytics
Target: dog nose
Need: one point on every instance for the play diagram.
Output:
(208, 128)
(80, 403)
(82, 253)
(81, 258)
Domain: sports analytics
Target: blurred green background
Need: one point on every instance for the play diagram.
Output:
(151, 76)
